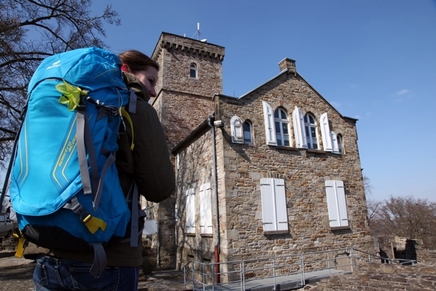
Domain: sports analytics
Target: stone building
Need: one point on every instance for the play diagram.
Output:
(273, 172)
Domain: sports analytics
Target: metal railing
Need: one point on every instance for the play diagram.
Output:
(292, 269)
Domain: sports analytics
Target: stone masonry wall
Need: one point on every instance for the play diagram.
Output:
(304, 172)
(375, 277)
(195, 169)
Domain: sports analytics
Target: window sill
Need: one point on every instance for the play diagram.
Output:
(287, 148)
(275, 232)
(334, 228)
(207, 235)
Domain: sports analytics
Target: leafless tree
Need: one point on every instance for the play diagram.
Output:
(406, 217)
(31, 30)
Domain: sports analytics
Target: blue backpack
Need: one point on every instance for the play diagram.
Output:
(64, 184)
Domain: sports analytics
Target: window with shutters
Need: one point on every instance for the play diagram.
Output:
(241, 131)
(281, 125)
(274, 211)
(237, 130)
(310, 131)
(336, 204)
(190, 211)
(205, 209)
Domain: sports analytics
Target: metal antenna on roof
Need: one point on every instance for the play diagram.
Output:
(198, 31)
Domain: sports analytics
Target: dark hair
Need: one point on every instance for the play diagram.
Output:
(137, 61)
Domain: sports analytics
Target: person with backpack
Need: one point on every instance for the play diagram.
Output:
(144, 166)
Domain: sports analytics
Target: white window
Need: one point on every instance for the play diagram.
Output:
(281, 124)
(336, 203)
(274, 212)
(300, 137)
(206, 209)
(190, 211)
(193, 71)
(310, 131)
(248, 134)
(270, 133)
(237, 130)
(326, 133)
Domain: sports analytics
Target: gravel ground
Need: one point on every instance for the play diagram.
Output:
(16, 274)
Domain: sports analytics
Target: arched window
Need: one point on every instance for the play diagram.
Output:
(248, 136)
(193, 71)
(310, 130)
(282, 127)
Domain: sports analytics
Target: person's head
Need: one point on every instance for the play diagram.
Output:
(143, 67)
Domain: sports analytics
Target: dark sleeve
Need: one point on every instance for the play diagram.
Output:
(153, 170)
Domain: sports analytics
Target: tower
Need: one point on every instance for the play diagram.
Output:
(189, 76)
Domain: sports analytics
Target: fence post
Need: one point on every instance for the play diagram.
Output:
(303, 277)
(241, 275)
(213, 276)
(274, 272)
(352, 260)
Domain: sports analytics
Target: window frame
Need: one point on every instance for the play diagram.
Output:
(193, 71)
(282, 121)
(247, 133)
(310, 131)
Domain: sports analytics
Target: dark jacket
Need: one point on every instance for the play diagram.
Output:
(148, 164)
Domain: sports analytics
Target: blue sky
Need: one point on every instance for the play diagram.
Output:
(372, 60)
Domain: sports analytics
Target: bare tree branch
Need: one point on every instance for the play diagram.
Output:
(31, 30)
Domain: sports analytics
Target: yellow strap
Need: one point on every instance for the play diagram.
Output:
(19, 252)
(94, 223)
(126, 115)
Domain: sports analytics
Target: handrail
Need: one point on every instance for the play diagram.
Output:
(241, 272)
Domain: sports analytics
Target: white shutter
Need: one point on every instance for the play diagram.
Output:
(237, 130)
(280, 202)
(336, 203)
(274, 212)
(190, 211)
(335, 144)
(300, 135)
(270, 132)
(205, 209)
(266, 191)
(325, 132)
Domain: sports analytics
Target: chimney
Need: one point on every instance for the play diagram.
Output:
(288, 64)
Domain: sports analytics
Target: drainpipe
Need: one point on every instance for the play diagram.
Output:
(211, 122)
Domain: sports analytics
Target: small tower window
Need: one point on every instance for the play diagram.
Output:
(193, 71)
